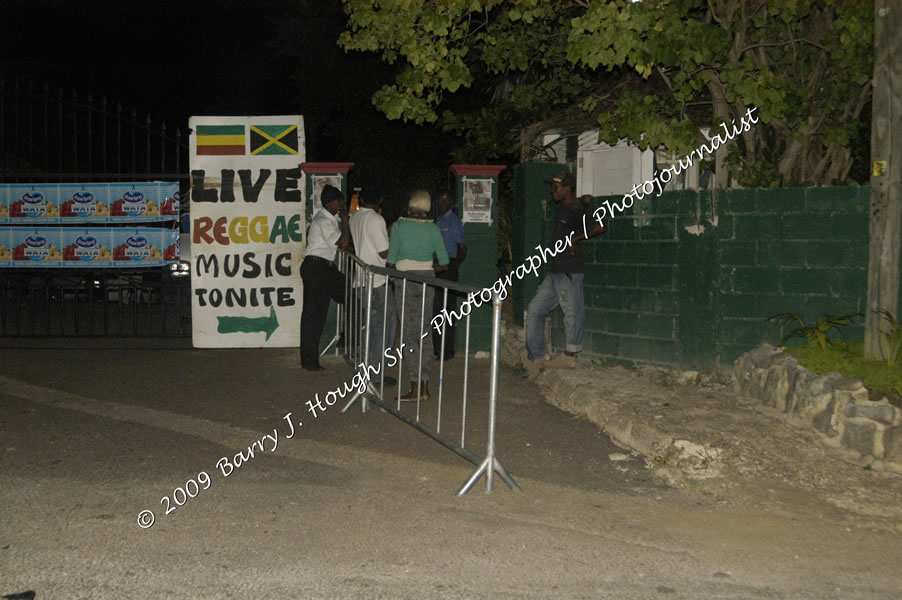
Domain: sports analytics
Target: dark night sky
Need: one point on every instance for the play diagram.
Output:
(174, 59)
(171, 59)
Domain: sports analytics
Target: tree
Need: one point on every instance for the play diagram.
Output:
(652, 72)
(886, 191)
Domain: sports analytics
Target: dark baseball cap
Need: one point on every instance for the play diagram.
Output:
(563, 178)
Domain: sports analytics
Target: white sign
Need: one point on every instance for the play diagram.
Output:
(477, 200)
(319, 182)
(247, 230)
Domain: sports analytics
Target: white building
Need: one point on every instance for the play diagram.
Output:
(605, 170)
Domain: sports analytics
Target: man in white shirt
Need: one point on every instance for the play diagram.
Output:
(370, 238)
(322, 280)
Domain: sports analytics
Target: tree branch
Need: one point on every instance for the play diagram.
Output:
(664, 77)
(786, 43)
(713, 13)
(789, 27)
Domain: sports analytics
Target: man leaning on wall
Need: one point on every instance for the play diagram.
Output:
(563, 285)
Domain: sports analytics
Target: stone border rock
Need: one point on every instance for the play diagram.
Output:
(836, 406)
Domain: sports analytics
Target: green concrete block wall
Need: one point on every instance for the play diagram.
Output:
(630, 284)
(798, 250)
(692, 283)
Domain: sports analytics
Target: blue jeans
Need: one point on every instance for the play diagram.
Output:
(382, 303)
(566, 290)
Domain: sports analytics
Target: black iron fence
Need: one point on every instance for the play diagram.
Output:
(52, 135)
(92, 303)
(49, 136)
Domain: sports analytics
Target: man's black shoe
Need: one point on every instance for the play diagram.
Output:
(313, 367)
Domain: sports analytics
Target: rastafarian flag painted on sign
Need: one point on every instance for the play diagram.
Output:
(274, 139)
(220, 140)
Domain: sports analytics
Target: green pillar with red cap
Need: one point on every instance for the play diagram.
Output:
(477, 206)
(318, 174)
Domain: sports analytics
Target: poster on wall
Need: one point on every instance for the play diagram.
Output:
(318, 183)
(247, 230)
(88, 247)
(68, 203)
(477, 200)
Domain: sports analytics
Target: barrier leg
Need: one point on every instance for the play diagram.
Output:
(490, 465)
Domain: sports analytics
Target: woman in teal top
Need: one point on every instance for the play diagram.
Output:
(416, 246)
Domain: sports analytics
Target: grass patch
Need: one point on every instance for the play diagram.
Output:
(847, 359)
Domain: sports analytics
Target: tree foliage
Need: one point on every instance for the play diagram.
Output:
(499, 71)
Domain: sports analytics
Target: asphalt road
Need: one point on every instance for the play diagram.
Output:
(360, 505)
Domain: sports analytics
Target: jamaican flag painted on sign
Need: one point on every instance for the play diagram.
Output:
(274, 139)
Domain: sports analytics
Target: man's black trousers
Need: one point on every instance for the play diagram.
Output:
(322, 283)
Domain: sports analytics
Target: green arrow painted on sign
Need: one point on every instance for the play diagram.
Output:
(249, 324)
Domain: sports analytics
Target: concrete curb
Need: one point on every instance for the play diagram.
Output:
(581, 391)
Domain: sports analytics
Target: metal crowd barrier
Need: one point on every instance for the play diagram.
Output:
(355, 341)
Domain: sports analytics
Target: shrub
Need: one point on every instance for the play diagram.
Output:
(815, 334)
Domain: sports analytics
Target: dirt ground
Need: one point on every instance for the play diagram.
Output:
(361, 505)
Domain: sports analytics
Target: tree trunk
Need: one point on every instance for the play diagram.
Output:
(886, 176)
(789, 160)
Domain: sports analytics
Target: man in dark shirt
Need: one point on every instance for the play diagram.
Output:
(563, 286)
